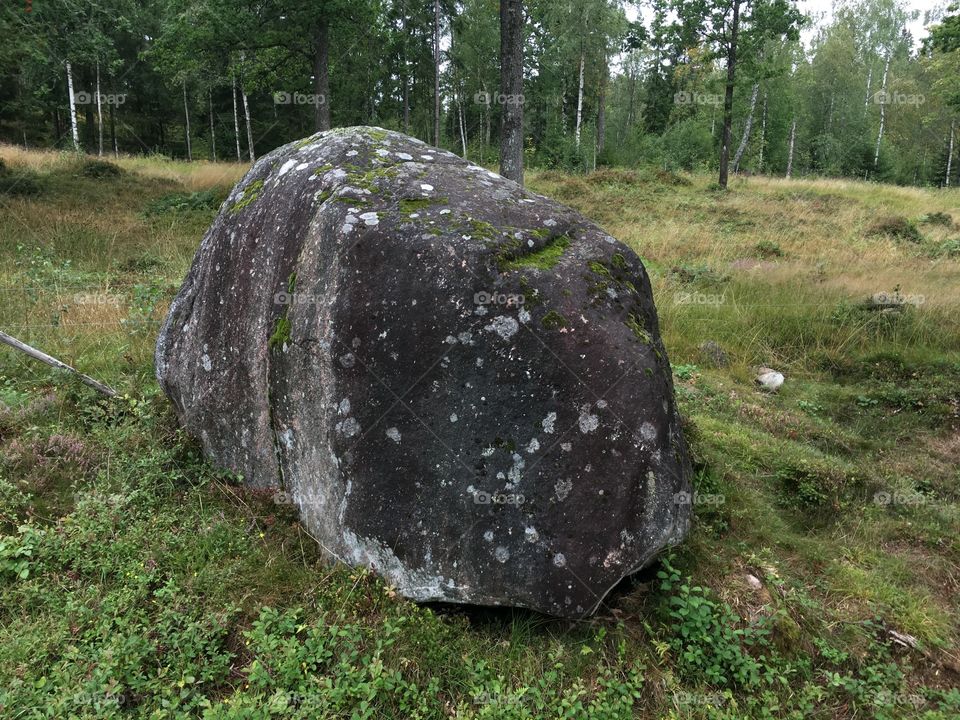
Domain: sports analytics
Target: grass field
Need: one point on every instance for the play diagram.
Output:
(820, 579)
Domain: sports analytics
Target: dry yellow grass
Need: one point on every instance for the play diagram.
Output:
(819, 224)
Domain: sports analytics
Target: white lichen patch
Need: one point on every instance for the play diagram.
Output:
(587, 421)
(562, 488)
(285, 168)
(533, 446)
(348, 427)
(648, 432)
(548, 422)
(503, 325)
(501, 554)
(393, 434)
(559, 560)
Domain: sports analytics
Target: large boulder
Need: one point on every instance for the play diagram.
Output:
(459, 383)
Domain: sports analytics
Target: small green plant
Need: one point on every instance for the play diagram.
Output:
(685, 372)
(143, 306)
(710, 641)
(810, 408)
(768, 249)
(937, 218)
(16, 551)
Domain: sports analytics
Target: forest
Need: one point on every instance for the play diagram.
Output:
(849, 94)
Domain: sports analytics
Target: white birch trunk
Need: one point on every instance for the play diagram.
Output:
(463, 129)
(747, 128)
(579, 99)
(883, 113)
(99, 115)
(246, 115)
(763, 131)
(73, 109)
(793, 135)
(946, 181)
(213, 135)
(186, 115)
(236, 120)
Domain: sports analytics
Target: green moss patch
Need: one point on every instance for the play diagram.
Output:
(544, 258)
(250, 193)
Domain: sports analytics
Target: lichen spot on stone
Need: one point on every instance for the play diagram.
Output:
(504, 326)
(648, 432)
(548, 422)
(588, 422)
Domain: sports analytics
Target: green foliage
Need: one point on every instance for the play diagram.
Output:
(204, 200)
(99, 170)
(768, 249)
(20, 183)
(709, 640)
(685, 372)
(688, 145)
(16, 552)
(898, 228)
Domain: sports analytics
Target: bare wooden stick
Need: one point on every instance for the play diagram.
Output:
(53, 362)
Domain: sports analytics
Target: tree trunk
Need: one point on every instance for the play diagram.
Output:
(73, 109)
(883, 113)
(602, 110)
(321, 76)
(866, 99)
(747, 128)
(236, 120)
(436, 73)
(946, 181)
(793, 135)
(99, 116)
(763, 132)
(213, 136)
(186, 115)
(246, 115)
(511, 85)
(576, 132)
(728, 95)
(58, 131)
(113, 133)
(463, 125)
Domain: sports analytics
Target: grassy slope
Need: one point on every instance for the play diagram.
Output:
(143, 583)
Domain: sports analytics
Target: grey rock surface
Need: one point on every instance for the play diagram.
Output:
(460, 383)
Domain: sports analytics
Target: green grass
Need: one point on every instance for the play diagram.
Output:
(137, 581)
